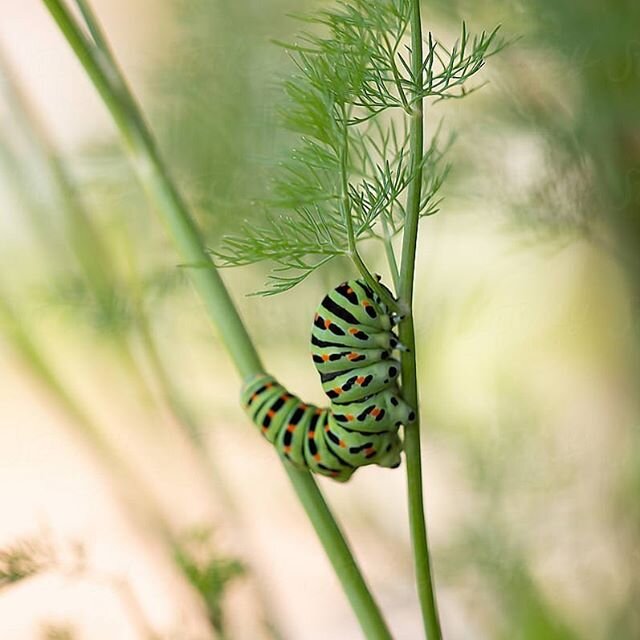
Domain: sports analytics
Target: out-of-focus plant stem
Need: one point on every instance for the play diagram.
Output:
(21, 340)
(422, 562)
(85, 242)
(97, 61)
(189, 423)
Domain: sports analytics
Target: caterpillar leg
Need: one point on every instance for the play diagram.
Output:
(390, 457)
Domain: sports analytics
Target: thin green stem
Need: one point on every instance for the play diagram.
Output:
(412, 448)
(182, 229)
(345, 206)
(94, 28)
(391, 256)
(396, 75)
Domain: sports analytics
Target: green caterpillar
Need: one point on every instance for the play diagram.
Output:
(352, 341)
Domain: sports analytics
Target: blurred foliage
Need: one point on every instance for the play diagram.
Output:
(571, 88)
(23, 559)
(562, 109)
(217, 103)
(207, 572)
(56, 631)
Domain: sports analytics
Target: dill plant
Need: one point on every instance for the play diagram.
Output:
(360, 170)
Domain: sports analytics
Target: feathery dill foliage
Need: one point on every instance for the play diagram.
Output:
(349, 100)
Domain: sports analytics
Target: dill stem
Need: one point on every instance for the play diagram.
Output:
(345, 205)
(391, 256)
(422, 562)
(105, 75)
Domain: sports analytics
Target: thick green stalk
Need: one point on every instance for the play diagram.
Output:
(412, 448)
(344, 564)
(107, 79)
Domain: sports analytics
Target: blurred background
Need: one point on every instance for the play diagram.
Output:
(136, 500)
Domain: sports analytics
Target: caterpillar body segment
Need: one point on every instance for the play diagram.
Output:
(352, 343)
(337, 359)
(355, 303)
(355, 384)
(374, 413)
(334, 332)
(310, 437)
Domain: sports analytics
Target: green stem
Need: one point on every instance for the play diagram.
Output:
(105, 75)
(412, 448)
(344, 565)
(391, 256)
(345, 206)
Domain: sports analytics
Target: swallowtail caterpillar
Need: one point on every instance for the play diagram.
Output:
(352, 343)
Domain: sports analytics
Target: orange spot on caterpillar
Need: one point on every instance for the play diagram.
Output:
(268, 385)
(325, 357)
(327, 323)
(353, 330)
(366, 303)
(326, 428)
(369, 451)
(318, 411)
(337, 390)
(343, 444)
(375, 412)
(349, 290)
(287, 449)
(317, 457)
(350, 418)
(310, 435)
(291, 428)
(271, 413)
(353, 356)
(360, 379)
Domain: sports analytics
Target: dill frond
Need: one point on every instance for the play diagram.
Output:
(349, 98)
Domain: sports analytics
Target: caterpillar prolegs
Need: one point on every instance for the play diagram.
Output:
(352, 343)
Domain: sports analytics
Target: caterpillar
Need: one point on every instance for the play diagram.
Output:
(352, 343)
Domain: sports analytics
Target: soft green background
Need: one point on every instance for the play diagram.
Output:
(527, 315)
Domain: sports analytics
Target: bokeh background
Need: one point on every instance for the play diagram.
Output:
(137, 502)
